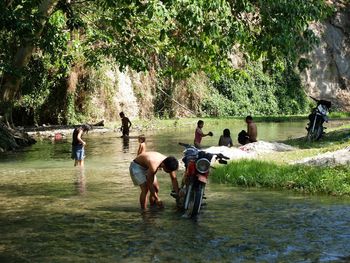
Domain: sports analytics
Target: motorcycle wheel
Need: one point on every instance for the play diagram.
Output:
(316, 134)
(313, 129)
(319, 132)
(311, 135)
(194, 198)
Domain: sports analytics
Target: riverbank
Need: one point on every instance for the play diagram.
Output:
(321, 167)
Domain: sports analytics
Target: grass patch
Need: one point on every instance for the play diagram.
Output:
(339, 115)
(305, 179)
(336, 136)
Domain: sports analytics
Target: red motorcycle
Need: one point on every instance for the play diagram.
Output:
(197, 164)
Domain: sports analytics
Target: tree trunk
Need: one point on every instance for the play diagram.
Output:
(11, 139)
(12, 80)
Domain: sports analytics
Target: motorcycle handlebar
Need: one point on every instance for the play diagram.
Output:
(185, 145)
(219, 156)
(314, 99)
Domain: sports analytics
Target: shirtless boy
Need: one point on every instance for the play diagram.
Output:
(126, 124)
(251, 129)
(143, 170)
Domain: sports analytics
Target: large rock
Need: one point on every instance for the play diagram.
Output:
(329, 74)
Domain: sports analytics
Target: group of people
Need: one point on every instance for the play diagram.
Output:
(144, 167)
(225, 139)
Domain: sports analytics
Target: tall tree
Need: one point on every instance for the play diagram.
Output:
(11, 79)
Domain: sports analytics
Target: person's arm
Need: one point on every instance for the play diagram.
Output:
(153, 193)
(220, 141)
(139, 150)
(129, 123)
(248, 131)
(80, 133)
(174, 182)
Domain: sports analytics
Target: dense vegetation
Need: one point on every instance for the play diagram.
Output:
(49, 50)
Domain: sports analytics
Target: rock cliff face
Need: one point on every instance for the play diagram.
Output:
(329, 74)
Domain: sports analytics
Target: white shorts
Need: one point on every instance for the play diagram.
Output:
(138, 173)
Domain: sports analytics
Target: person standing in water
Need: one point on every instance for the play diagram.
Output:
(143, 171)
(252, 130)
(225, 139)
(198, 134)
(78, 144)
(126, 124)
(142, 144)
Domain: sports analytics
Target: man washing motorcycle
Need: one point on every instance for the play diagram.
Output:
(143, 171)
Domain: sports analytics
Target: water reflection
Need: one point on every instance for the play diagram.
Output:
(80, 180)
(126, 144)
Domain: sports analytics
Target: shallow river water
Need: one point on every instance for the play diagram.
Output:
(53, 212)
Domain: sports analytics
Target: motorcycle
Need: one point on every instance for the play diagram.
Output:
(317, 117)
(197, 166)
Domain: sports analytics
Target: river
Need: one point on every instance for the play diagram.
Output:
(54, 212)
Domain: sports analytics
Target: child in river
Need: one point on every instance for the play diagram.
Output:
(198, 134)
(142, 144)
(225, 139)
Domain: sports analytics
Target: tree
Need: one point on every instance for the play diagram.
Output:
(12, 78)
(176, 38)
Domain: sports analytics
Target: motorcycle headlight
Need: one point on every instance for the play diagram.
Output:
(202, 165)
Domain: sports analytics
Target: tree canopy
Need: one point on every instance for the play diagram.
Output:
(177, 37)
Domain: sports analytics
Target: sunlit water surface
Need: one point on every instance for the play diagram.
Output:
(53, 212)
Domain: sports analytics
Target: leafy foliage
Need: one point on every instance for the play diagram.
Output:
(176, 38)
(254, 92)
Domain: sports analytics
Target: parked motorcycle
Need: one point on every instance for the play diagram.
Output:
(317, 117)
(197, 164)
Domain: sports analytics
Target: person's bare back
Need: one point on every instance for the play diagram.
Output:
(150, 160)
(252, 130)
(143, 170)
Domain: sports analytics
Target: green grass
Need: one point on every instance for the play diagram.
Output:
(305, 179)
(339, 115)
(336, 136)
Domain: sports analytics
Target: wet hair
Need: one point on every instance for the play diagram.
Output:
(142, 138)
(86, 127)
(200, 122)
(121, 114)
(227, 133)
(171, 163)
(248, 118)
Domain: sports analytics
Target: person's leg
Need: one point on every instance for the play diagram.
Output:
(80, 156)
(152, 201)
(143, 195)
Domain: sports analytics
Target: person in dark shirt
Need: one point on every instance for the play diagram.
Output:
(78, 144)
